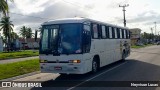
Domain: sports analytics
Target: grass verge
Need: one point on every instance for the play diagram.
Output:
(136, 47)
(18, 68)
(18, 54)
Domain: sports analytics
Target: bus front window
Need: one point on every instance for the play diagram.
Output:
(70, 38)
(44, 44)
(61, 39)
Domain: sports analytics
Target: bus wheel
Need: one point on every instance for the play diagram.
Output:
(123, 55)
(94, 66)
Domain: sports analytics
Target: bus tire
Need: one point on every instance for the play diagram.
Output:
(123, 56)
(94, 66)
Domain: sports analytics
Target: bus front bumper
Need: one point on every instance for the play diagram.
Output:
(68, 68)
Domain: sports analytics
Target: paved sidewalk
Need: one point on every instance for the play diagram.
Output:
(17, 59)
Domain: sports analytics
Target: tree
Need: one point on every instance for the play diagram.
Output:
(7, 27)
(29, 33)
(23, 32)
(26, 32)
(14, 36)
(4, 40)
(3, 7)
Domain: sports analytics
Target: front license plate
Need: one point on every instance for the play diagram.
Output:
(58, 68)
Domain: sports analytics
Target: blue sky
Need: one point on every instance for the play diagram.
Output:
(140, 13)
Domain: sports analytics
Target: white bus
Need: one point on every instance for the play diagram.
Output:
(80, 45)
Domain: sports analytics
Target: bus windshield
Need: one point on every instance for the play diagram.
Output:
(62, 39)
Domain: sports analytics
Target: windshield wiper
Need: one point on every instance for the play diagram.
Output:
(47, 51)
(55, 53)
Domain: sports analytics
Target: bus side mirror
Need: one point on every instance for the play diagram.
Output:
(35, 35)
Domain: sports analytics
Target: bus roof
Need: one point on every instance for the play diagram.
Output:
(78, 20)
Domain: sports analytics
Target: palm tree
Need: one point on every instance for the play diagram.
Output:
(4, 40)
(29, 33)
(7, 27)
(23, 32)
(26, 32)
(8, 7)
(3, 7)
(14, 36)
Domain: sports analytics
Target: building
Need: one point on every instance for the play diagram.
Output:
(29, 43)
(135, 35)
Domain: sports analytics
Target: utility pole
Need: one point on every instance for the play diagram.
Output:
(152, 35)
(155, 28)
(155, 31)
(124, 6)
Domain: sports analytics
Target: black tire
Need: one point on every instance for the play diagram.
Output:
(123, 56)
(94, 66)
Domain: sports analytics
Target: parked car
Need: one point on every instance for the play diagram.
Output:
(158, 43)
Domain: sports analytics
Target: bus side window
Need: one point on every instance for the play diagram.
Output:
(110, 32)
(125, 34)
(103, 31)
(122, 33)
(129, 34)
(86, 38)
(113, 33)
(107, 32)
(118, 33)
(95, 31)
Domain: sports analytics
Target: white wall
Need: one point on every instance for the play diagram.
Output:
(33, 44)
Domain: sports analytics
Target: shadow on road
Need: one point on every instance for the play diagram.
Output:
(132, 70)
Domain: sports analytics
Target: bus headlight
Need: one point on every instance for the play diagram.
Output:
(42, 61)
(74, 61)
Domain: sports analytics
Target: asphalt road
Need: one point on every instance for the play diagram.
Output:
(142, 65)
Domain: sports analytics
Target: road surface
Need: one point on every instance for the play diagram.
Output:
(142, 65)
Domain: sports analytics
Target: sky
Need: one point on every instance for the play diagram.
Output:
(139, 14)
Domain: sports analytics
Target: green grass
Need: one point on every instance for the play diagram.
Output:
(136, 47)
(18, 54)
(18, 68)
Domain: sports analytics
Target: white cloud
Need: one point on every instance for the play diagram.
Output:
(140, 13)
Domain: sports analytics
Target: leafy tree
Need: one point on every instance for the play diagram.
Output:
(14, 36)
(7, 27)
(26, 32)
(29, 33)
(4, 40)
(23, 32)
(3, 7)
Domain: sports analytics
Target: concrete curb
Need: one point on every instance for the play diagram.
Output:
(21, 76)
